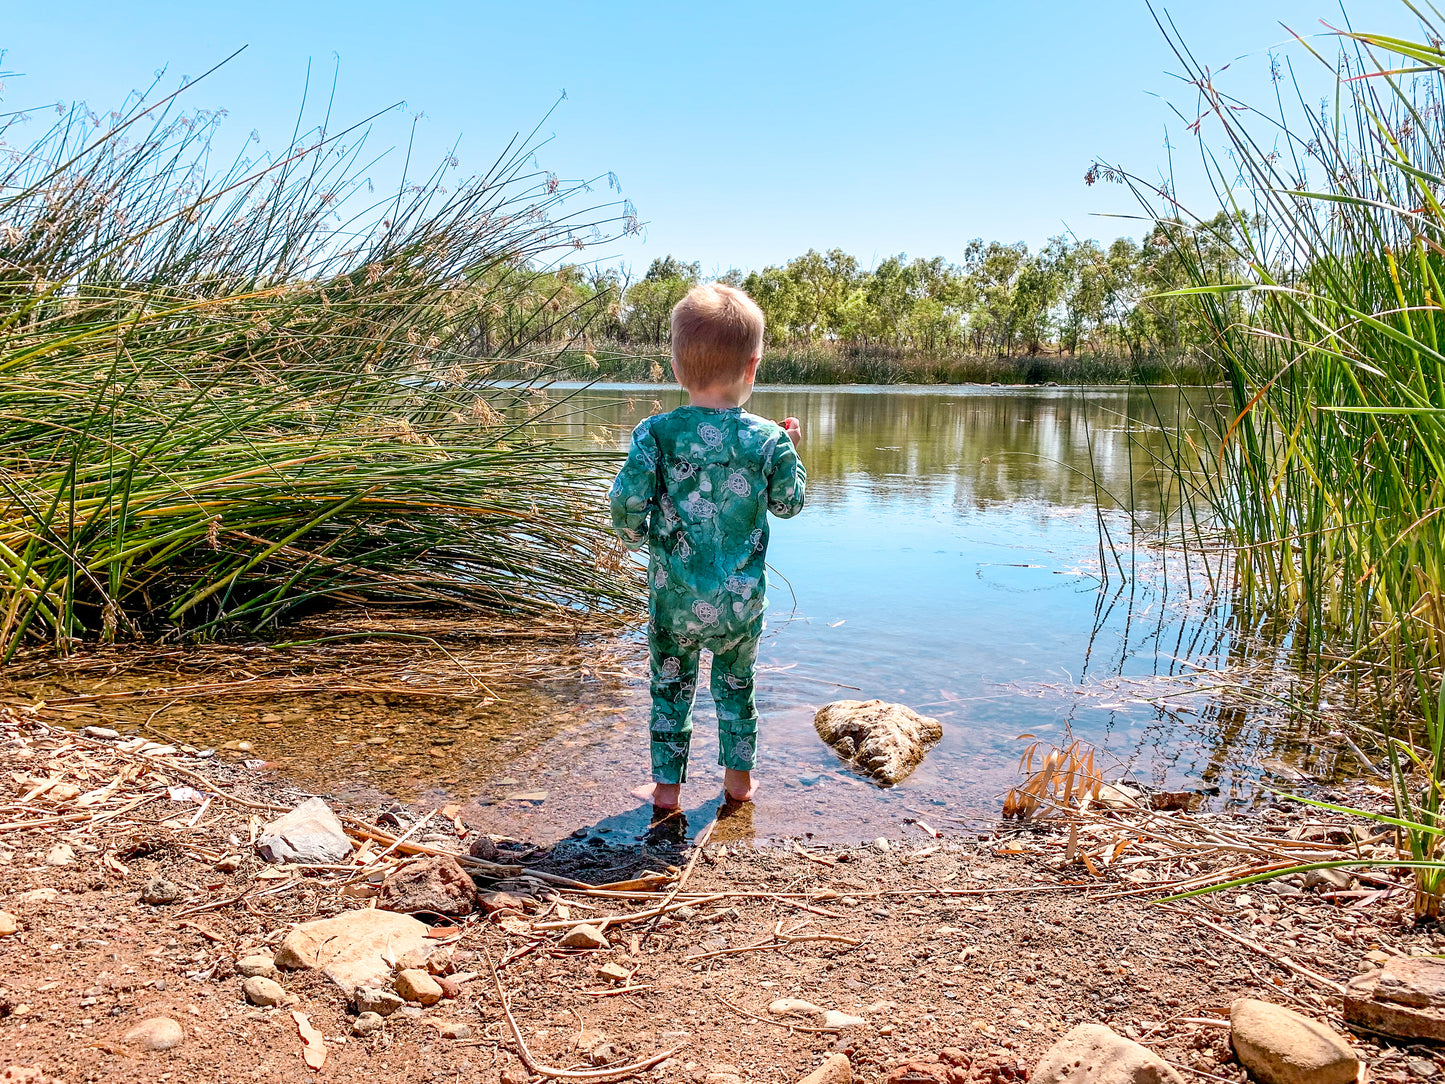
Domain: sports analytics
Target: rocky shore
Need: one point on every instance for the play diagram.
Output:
(169, 917)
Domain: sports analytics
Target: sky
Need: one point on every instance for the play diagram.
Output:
(743, 133)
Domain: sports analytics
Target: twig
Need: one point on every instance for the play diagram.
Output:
(1283, 961)
(775, 1023)
(565, 1074)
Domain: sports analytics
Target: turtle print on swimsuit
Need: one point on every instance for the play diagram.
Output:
(696, 489)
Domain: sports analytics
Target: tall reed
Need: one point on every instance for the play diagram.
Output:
(1327, 475)
(229, 394)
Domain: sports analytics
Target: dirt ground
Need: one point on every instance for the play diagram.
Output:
(984, 943)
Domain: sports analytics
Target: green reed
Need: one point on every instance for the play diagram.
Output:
(228, 395)
(1326, 478)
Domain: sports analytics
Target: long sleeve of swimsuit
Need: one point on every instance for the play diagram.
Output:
(633, 495)
(787, 481)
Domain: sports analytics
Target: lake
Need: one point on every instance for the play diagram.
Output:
(948, 558)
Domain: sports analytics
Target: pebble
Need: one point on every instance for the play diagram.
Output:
(367, 1023)
(8, 924)
(414, 984)
(62, 854)
(450, 987)
(453, 1029)
(103, 732)
(584, 936)
(262, 991)
(848, 901)
(62, 792)
(157, 1033)
(837, 1069)
(35, 897)
(158, 891)
(378, 1002)
(881, 844)
(614, 973)
(247, 966)
(228, 863)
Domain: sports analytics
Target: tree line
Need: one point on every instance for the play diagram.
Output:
(1068, 297)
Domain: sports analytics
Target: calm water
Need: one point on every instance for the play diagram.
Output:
(949, 559)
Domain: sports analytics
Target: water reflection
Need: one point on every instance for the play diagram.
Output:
(950, 559)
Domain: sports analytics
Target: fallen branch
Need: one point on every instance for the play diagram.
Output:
(533, 1065)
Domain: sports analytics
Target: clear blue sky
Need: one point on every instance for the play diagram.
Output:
(745, 132)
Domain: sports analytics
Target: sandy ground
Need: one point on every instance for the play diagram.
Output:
(981, 943)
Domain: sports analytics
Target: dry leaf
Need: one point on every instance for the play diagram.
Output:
(315, 1049)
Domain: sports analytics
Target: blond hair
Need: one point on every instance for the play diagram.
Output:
(716, 331)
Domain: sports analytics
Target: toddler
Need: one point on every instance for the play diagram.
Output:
(697, 488)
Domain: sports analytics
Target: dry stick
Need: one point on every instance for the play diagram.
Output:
(1283, 961)
(613, 991)
(775, 1023)
(640, 916)
(565, 1074)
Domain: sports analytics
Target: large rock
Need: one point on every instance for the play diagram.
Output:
(433, 886)
(1405, 999)
(883, 741)
(309, 835)
(1280, 1046)
(357, 948)
(1092, 1054)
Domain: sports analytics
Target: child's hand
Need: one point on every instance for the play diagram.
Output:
(793, 428)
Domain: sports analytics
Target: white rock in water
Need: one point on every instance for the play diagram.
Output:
(883, 741)
(1093, 1054)
(309, 835)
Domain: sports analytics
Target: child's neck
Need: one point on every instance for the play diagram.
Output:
(718, 398)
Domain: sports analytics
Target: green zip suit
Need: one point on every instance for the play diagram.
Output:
(697, 488)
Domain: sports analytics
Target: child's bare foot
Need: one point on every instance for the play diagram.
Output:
(661, 795)
(739, 786)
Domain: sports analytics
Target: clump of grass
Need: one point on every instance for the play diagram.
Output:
(229, 396)
(1327, 475)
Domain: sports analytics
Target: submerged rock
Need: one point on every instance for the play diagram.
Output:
(1093, 1054)
(1280, 1046)
(310, 835)
(883, 741)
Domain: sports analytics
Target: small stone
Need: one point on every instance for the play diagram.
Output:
(1330, 880)
(8, 924)
(723, 1074)
(157, 1033)
(62, 854)
(834, 1020)
(453, 1029)
(484, 848)
(228, 863)
(158, 891)
(881, 844)
(584, 936)
(513, 1074)
(433, 886)
(62, 792)
(614, 973)
(102, 732)
(310, 835)
(837, 1069)
(248, 966)
(373, 1001)
(1280, 1046)
(450, 988)
(368, 1023)
(416, 985)
(1094, 1054)
(792, 1006)
(272, 717)
(492, 902)
(239, 746)
(262, 991)
(35, 897)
